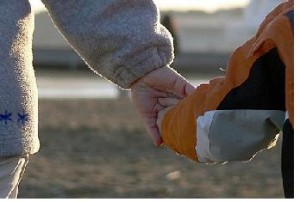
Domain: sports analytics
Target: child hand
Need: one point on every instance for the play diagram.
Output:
(145, 92)
(166, 104)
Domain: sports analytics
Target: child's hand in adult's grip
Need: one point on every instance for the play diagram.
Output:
(167, 104)
(163, 82)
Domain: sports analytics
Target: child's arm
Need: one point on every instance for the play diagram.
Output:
(234, 117)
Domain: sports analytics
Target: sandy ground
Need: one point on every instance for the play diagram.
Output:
(97, 148)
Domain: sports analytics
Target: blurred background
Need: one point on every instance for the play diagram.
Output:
(90, 148)
(205, 33)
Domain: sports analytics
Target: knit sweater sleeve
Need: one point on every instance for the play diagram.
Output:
(121, 40)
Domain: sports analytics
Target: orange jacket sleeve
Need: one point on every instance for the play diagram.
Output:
(233, 117)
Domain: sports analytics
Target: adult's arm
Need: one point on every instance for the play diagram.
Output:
(122, 40)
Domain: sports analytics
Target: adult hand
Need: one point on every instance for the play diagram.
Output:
(160, 83)
(167, 104)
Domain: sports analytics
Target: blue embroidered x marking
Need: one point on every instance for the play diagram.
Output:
(22, 118)
(5, 117)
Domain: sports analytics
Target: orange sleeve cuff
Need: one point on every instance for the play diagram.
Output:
(179, 128)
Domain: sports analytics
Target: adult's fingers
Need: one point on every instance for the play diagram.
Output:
(169, 101)
(168, 80)
(160, 116)
(152, 129)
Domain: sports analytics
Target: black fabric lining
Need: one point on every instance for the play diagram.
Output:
(264, 88)
(287, 160)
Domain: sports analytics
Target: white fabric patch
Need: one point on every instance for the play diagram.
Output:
(203, 142)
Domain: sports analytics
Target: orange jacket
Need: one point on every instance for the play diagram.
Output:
(233, 117)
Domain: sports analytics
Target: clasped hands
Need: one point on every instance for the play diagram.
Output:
(154, 94)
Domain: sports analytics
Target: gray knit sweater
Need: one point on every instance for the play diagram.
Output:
(119, 39)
